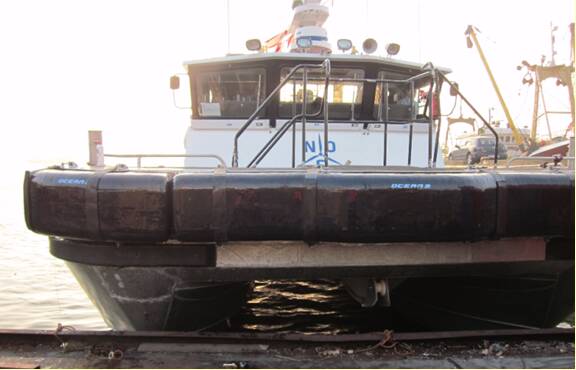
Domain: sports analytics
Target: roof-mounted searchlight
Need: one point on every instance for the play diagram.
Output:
(392, 49)
(253, 45)
(344, 45)
(369, 46)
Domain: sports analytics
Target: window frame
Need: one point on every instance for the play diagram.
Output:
(195, 75)
(358, 113)
(272, 68)
(403, 75)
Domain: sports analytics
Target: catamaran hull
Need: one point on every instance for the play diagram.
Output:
(158, 298)
(301, 205)
(146, 299)
(459, 249)
(151, 287)
(523, 301)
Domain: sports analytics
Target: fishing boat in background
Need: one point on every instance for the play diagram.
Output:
(518, 141)
(559, 148)
(312, 164)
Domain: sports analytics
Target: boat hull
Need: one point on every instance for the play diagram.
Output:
(144, 299)
(472, 302)
(177, 251)
(134, 292)
(308, 205)
(158, 298)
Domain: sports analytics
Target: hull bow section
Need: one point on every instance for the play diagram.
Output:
(444, 249)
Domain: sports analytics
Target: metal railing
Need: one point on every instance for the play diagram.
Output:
(324, 111)
(140, 156)
(553, 159)
(456, 89)
(326, 66)
(435, 77)
(384, 112)
(302, 116)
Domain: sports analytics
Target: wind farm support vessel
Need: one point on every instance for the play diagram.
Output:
(310, 164)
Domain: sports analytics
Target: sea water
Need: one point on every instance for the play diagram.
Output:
(36, 290)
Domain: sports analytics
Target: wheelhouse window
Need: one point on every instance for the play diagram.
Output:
(398, 98)
(230, 94)
(344, 97)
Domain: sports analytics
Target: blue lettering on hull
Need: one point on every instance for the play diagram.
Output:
(318, 156)
(411, 186)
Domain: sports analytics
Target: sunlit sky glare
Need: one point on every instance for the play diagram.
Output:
(70, 66)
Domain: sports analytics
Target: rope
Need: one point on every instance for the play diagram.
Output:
(453, 108)
(61, 328)
(386, 342)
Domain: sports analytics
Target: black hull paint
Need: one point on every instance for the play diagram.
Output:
(309, 205)
(158, 298)
(179, 219)
(523, 301)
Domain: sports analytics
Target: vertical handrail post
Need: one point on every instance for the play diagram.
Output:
(412, 117)
(293, 146)
(304, 106)
(437, 87)
(386, 117)
(434, 101)
(380, 84)
(294, 126)
(385, 143)
(436, 143)
(411, 132)
(326, 83)
(412, 110)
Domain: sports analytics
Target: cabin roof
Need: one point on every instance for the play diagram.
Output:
(304, 57)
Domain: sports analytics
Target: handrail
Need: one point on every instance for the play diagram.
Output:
(140, 156)
(383, 108)
(386, 121)
(455, 88)
(273, 140)
(324, 108)
(375, 80)
(325, 64)
(290, 123)
(555, 159)
(435, 89)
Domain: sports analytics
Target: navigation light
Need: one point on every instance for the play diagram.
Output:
(392, 49)
(253, 45)
(369, 46)
(344, 44)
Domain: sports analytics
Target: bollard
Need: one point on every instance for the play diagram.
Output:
(96, 148)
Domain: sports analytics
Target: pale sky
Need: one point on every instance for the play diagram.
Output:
(69, 66)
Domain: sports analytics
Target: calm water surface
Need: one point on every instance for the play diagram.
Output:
(36, 290)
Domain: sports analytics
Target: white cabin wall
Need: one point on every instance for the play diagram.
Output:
(348, 142)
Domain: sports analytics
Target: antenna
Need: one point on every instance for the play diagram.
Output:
(419, 29)
(571, 26)
(228, 25)
(366, 30)
(552, 44)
